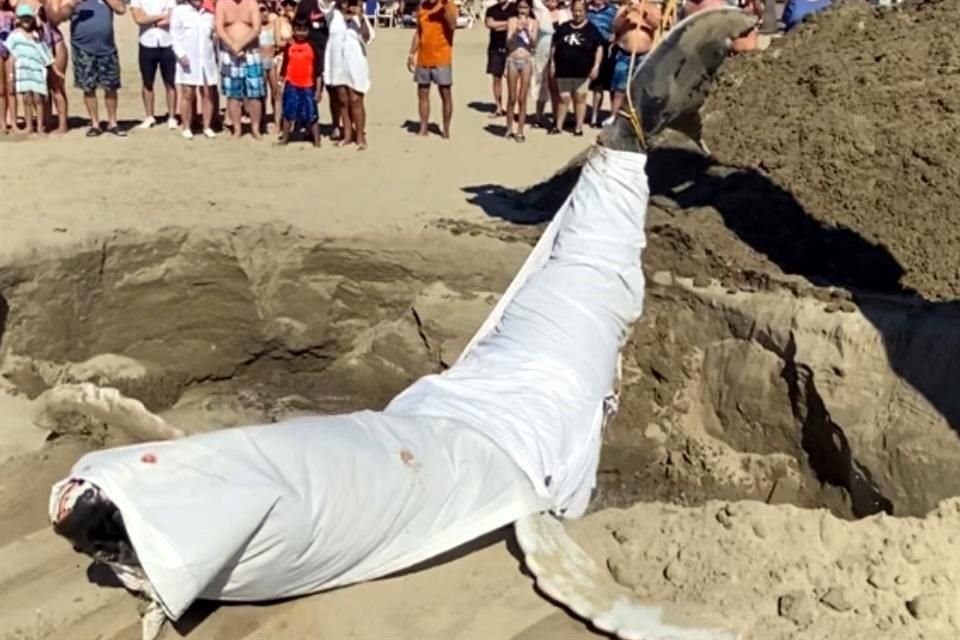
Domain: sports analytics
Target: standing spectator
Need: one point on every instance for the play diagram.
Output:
(300, 60)
(633, 30)
(32, 58)
(521, 40)
(601, 14)
(431, 59)
(155, 52)
(57, 75)
(95, 60)
(576, 58)
(8, 98)
(192, 30)
(268, 50)
(317, 12)
(346, 70)
(550, 15)
(241, 67)
(496, 19)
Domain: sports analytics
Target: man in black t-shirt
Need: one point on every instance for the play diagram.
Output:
(496, 20)
(575, 56)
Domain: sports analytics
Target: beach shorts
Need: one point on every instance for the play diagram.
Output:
(605, 77)
(93, 71)
(299, 105)
(572, 85)
(441, 76)
(153, 58)
(621, 69)
(496, 62)
(241, 76)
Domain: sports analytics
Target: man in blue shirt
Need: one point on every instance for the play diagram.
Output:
(96, 64)
(601, 14)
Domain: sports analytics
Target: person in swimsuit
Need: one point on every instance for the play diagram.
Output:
(268, 51)
(56, 79)
(521, 43)
(241, 67)
(633, 31)
(316, 13)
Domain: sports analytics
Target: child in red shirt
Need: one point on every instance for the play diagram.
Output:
(300, 91)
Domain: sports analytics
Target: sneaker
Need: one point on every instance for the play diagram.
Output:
(172, 123)
(187, 134)
(147, 123)
(210, 133)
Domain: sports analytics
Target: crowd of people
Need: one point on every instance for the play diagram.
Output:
(274, 62)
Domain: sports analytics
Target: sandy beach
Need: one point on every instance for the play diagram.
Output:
(785, 451)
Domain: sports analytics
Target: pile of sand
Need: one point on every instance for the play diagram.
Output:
(855, 116)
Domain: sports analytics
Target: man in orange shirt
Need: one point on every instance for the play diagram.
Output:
(431, 58)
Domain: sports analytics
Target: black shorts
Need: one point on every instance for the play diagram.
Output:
(496, 62)
(605, 76)
(153, 58)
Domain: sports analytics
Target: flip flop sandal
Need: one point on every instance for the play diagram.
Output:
(553, 132)
(521, 138)
(578, 133)
(94, 132)
(116, 131)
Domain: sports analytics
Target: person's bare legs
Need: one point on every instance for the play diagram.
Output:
(206, 106)
(12, 107)
(446, 97)
(235, 113)
(90, 102)
(358, 112)
(187, 97)
(171, 92)
(341, 97)
(275, 95)
(58, 86)
(4, 97)
(110, 100)
(285, 127)
(146, 93)
(40, 108)
(336, 121)
(28, 112)
(523, 89)
(579, 110)
(423, 108)
(498, 95)
(563, 107)
(616, 102)
(513, 79)
(315, 132)
(255, 111)
(554, 96)
(597, 105)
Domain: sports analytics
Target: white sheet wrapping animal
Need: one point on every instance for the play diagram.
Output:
(513, 428)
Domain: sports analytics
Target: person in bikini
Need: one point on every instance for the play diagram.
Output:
(268, 51)
(633, 31)
(241, 67)
(521, 42)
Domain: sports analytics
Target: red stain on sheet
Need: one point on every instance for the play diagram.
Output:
(148, 458)
(406, 457)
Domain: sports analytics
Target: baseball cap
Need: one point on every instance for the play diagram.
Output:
(25, 11)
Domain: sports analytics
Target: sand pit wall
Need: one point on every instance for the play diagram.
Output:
(238, 327)
(729, 392)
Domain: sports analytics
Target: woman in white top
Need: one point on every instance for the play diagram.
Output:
(192, 29)
(345, 67)
(549, 16)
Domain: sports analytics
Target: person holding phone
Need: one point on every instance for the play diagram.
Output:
(431, 59)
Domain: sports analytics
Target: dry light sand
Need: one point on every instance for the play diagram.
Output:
(225, 283)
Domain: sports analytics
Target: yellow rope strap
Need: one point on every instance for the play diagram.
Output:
(667, 18)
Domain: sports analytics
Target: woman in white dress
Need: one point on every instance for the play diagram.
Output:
(192, 30)
(549, 16)
(346, 70)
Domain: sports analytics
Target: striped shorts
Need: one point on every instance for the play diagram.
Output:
(241, 76)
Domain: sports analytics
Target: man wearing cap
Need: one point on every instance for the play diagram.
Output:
(96, 64)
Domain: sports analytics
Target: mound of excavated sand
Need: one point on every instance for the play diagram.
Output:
(856, 115)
